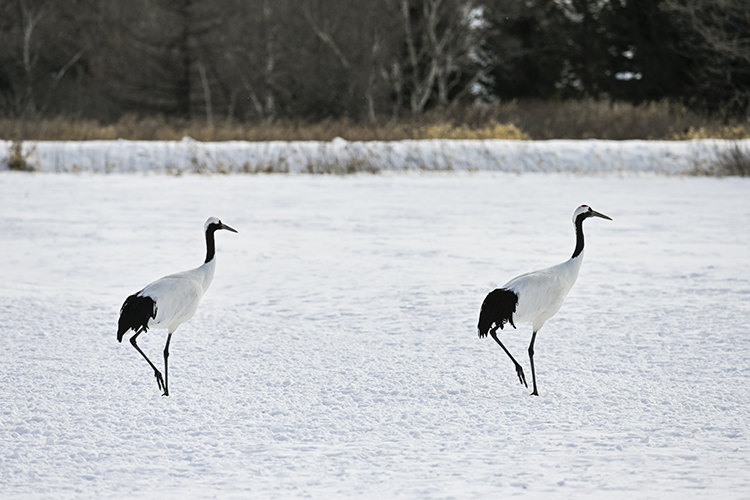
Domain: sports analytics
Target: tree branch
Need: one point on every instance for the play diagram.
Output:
(325, 37)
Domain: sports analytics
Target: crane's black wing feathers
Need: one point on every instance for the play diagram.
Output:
(135, 313)
(498, 308)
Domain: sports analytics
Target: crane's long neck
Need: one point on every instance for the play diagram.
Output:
(579, 237)
(210, 244)
(209, 266)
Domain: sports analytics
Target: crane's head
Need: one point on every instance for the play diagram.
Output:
(584, 212)
(213, 223)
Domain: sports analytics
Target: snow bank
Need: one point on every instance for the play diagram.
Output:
(340, 156)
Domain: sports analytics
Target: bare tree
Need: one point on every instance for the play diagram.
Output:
(716, 35)
(323, 33)
(442, 39)
(40, 43)
(250, 64)
(30, 17)
(354, 34)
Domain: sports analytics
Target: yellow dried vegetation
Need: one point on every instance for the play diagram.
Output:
(732, 133)
(157, 128)
(492, 131)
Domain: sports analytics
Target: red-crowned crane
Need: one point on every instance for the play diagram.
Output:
(534, 297)
(170, 301)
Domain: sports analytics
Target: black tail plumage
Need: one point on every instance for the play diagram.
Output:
(135, 314)
(498, 308)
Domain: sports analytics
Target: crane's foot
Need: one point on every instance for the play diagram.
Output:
(166, 393)
(160, 381)
(535, 393)
(521, 376)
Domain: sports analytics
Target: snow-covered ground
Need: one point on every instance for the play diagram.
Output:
(340, 156)
(335, 355)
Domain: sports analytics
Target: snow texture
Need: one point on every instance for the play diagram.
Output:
(335, 355)
(340, 156)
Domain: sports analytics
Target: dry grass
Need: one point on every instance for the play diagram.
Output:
(444, 130)
(16, 159)
(591, 119)
(733, 161)
(511, 120)
(734, 133)
(158, 128)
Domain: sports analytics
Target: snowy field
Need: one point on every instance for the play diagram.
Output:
(336, 356)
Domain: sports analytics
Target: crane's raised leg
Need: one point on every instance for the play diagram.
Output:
(531, 358)
(157, 373)
(166, 369)
(519, 368)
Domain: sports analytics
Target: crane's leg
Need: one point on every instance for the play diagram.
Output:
(519, 368)
(166, 369)
(157, 373)
(531, 358)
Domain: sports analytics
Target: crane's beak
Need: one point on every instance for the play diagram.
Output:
(594, 213)
(224, 226)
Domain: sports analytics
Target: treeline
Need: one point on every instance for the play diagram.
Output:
(364, 61)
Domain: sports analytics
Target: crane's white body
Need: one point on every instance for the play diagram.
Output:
(178, 295)
(541, 293)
